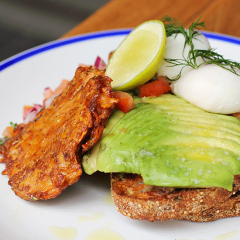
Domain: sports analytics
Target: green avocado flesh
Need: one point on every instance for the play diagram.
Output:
(170, 142)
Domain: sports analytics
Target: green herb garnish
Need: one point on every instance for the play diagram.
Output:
(174, 26)
(14, 125)
(1, 142)
(42, 108)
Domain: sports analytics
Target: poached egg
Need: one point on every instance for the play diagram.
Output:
(211, 88)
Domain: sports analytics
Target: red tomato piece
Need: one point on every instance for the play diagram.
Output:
(155, 88)
(125, 101)
(26, 110)
(60, 88)
(8, 132)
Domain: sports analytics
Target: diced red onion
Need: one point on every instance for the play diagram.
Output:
(30, 117)
(99, 63)
(38, 107)
(48, 102)
(31, 114)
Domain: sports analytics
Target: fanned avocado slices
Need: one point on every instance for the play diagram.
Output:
(171, 143)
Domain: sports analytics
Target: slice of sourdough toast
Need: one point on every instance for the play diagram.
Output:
(136, 200)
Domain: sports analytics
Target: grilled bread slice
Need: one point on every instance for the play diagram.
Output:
(136, 200)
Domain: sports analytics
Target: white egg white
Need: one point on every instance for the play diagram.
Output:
(211, 88)
(174, 50)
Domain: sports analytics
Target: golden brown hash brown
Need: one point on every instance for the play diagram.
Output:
(144, 202)
(43, 158)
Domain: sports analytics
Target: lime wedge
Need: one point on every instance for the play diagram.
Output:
(138, 57)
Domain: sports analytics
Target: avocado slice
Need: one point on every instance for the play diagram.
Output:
(171, 143)
(90, 159)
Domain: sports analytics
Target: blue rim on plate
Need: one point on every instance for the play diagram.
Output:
(59, 43)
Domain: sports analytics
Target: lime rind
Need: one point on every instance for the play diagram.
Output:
(138, 57)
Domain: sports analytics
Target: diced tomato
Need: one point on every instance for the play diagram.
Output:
(9, 132)
(26, 110)
(164, 79)
(60, 88)
(155, 88)
(125, 103)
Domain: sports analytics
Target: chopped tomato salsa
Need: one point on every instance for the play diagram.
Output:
(8, 132)
(125, 101)
(155, 88)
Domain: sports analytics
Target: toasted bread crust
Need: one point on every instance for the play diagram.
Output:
(136, 200)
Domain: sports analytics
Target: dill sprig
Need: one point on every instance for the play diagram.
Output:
(174, 26)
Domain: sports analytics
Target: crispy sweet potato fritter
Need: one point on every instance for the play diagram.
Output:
(43, 158)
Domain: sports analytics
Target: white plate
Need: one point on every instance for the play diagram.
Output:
(84, 210)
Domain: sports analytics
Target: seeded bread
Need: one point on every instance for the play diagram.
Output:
(136, 200)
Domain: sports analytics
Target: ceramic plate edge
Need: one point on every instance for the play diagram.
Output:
(93, 35)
